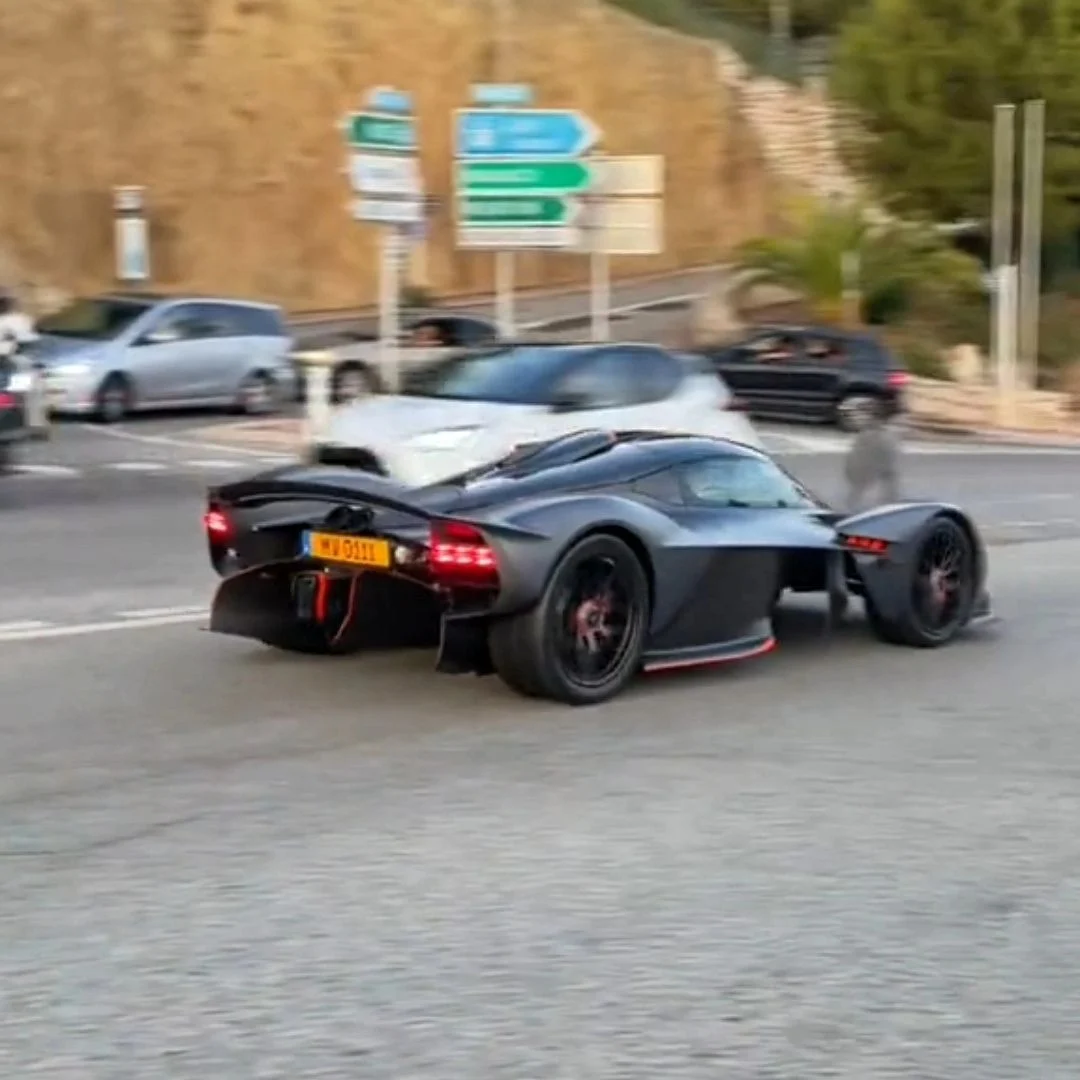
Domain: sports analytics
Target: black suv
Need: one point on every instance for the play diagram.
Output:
(810, 373)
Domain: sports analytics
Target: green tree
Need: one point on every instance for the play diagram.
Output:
(925, 75)
(836, 249)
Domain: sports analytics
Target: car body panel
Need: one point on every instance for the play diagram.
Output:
(715, 572)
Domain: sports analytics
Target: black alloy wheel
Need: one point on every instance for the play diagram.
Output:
(582, 642)
(596, 618)
(941, 590)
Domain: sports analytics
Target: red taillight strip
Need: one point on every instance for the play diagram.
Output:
(216, 523)
(459, 553)
(866, 544)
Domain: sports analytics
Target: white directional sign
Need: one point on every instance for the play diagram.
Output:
(388, 211)
(386, 175)
(633, 226)
(509, 238)
(641, 174)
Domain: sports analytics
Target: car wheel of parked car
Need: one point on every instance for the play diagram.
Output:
(855, 410)
(350, 382)
(258, 394)
(582, 643)
(114, 399)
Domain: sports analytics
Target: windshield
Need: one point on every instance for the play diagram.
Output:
(95, 320)
(518, 376)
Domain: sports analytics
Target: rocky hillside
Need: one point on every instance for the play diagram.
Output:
(226, 110)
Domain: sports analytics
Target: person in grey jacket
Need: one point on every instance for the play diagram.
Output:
(873, 461)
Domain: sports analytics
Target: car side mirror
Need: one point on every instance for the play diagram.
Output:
(158, 337)
(569, 401)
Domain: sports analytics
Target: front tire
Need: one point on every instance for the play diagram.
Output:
(940, 590)
(114, 399)
(258, 395)
(582, 642)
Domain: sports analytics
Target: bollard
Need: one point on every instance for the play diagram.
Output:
(317, 367)
(38, 413)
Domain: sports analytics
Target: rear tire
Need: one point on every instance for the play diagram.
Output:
(939, 600)
(114, 399)
(582, 642)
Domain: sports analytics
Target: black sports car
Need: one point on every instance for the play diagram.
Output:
(571, 565)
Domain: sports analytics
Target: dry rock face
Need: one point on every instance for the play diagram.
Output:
(227, 112)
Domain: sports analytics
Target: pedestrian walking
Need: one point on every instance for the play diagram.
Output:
(873, 461)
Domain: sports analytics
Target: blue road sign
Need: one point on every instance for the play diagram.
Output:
(518, 95)
(523, 133)
(388, 100)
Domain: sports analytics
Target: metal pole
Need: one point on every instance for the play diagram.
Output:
(1006, 373)
(600, 294)
(389, 311)
(1002, 223)
(1031, 241)
(504, 260)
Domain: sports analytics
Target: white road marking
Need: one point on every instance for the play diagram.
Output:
(23, 626)
(137, 466)
(160, 612)
(183, 444)
(77, 629)
(47, 470)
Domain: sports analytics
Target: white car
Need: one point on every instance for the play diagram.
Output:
(470, 409)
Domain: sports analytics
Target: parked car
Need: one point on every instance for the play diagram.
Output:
(478, 405)
(810, 373)
(16, 381)
(357, 354)
(108, 356)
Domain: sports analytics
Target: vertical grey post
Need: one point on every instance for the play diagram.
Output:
(1031, 240)
(1002, 226)
(504, 260)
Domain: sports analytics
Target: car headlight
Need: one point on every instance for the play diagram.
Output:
(22, 382)
(447, 439)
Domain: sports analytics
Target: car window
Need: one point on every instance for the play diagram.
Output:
(604, 379)
(177, 323)
(736, 481)
(655, 374)
(96, 319)
(518, 375)
(467, 333)
(243, 320)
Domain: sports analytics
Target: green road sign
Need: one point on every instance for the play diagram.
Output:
(523, 177)
(378, 131)
(496, 212)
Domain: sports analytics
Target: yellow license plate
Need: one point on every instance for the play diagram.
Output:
(348, 550)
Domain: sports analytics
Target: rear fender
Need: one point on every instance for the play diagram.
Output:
(539, 532)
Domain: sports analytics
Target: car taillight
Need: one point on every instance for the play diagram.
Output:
(896, 379)
(217, 525)
(459, 555)
(866, 544)
(7, 401)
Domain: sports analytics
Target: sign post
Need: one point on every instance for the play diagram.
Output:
(384, 173)
(519, 175)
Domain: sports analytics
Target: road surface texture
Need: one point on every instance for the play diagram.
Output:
(844, 860)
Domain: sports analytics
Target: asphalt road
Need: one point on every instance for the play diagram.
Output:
(842, 860)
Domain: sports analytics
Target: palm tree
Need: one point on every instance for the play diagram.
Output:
(847, 266)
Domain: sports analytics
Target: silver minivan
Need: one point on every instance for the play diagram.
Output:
(109, 356)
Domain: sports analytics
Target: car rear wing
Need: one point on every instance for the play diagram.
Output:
(359, 488)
